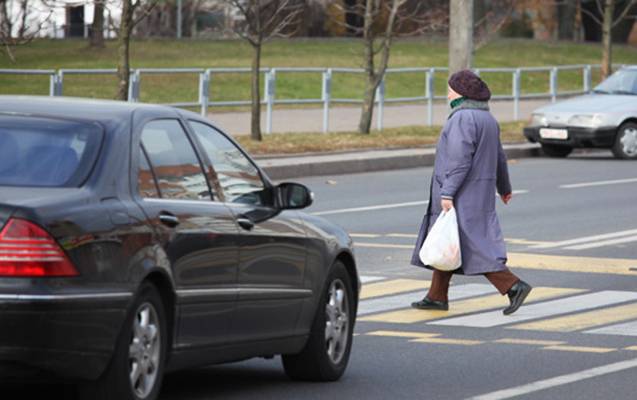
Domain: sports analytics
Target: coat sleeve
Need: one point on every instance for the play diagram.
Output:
(461, 146)
(503, 182)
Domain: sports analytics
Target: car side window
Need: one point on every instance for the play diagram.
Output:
(238, 177)
(146, 184)
(175, 163)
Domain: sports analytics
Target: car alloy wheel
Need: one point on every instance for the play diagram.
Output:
(629, 141)
(145, 350)
(337, 321)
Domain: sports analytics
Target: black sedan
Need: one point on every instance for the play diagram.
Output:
(138, 239)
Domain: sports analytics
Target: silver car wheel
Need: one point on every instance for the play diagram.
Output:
(629, 141)
(337, 321)
(144, 350)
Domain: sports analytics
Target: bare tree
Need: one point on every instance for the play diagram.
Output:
(19, 25)
(97, 28)
(133, 11)
(611, 18)
(262, 21)
(489, 19)
(383, 21)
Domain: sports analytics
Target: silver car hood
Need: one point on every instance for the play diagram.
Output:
(591, 103)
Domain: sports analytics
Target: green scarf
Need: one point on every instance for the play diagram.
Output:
(456, 102)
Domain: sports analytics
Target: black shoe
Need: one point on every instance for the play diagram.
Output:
(517, 294)
(428, 304)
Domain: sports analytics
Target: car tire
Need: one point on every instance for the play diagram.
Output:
(557, 151)
(625, 146)
(327, 350)
(145, 328)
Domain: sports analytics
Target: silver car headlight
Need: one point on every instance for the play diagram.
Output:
(585, 120)
(539, 120)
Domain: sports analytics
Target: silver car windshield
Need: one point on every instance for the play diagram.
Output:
(623, 81)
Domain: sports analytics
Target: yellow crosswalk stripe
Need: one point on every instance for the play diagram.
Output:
(580, 349)
(409, 316)
(528, 342)
(403, 334)
(584, 320)
(618, 266)
(461, 342)
(392, 287)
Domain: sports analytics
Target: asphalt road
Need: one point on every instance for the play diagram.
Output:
(575, 339)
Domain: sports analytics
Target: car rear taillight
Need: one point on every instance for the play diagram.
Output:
(26, 250)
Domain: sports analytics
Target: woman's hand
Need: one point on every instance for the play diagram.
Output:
(506, 198)
(446, 204)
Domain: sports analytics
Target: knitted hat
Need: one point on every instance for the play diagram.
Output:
(469, 85)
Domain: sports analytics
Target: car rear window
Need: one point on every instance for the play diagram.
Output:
(46, 152)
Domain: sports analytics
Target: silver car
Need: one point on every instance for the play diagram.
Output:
(606, 118)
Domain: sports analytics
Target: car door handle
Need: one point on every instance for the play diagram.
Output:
(245, 223)
(168, 219)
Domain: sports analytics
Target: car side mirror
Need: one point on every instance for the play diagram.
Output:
(293, 196)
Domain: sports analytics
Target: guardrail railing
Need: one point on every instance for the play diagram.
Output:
(207, 76)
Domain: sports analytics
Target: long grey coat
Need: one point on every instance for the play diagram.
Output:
(470, 165)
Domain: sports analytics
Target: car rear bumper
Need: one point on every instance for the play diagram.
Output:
(59, 336)
(577, 137)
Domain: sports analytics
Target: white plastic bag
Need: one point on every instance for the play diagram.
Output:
(441, 249)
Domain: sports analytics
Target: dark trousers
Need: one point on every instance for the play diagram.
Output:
(439, 289)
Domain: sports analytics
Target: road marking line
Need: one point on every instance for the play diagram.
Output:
(373, 306)
(616, 266)
(598, 183)
(585, 239)
(529, 342)
(383, 246)
(461, 342)
(580, 349)
(403, 334)
(632, 348)
(571, 323)
(392, 287)
(542, 310)
(403, 235)
(526, 242)
(603, 243)
(370, 279)
(409, 316)
(557, 381)
(626, 329)
(372, 208)
(365, 235)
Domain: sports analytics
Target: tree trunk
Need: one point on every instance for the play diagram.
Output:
(123, 50)
(460, 35)
(255, 121)
(367, 112)
(609, 10)
(97, 29)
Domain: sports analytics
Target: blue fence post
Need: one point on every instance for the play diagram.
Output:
(204, 91)
(270, 84)
(326, 97)
(133, 86)
(553, 84)
(430, 96)
(587, 78)
(516, 93)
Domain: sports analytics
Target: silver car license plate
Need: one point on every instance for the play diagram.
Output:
(550, 133)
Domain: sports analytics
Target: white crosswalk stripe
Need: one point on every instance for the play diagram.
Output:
(625, 329)
(542, 310)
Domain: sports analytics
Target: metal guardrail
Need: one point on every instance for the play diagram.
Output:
(206, 76)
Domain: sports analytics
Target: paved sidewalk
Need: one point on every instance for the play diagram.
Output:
(346, 118)
(279, 168)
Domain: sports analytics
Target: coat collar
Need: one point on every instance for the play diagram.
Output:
(471, 105)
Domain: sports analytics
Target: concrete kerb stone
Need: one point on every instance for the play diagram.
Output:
(367, 161)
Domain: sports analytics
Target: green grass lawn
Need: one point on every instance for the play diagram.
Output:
(55, 54)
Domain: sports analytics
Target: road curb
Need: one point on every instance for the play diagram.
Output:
(367, 161)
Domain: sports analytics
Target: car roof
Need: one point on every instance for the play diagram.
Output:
(74, 108)
(631, 67)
